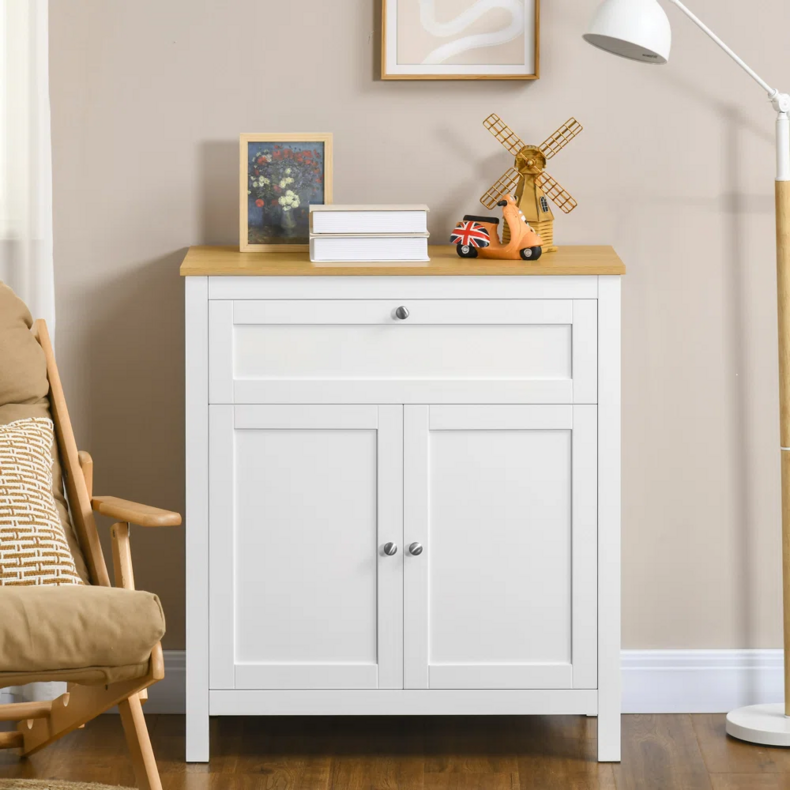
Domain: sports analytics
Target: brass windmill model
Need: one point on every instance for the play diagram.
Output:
(532, 185)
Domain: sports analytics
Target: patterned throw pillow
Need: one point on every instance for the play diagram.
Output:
(33, 548)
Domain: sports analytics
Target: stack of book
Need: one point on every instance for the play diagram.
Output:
(368, 233)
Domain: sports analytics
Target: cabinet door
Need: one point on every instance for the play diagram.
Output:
(302, 501)
(503, 501)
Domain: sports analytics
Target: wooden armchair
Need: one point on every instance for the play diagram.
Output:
(41, 723)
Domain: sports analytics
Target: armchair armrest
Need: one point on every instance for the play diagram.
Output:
(145, 516)
(86, 464)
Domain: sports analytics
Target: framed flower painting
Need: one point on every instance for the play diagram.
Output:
(460, 39)
(281, 175)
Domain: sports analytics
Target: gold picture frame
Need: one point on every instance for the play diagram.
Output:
(391, 69)
(280, 175)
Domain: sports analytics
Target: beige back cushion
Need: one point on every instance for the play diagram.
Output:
(33, 546)
(24, 390)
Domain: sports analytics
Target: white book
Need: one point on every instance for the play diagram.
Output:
(369, 248)
(358, 219)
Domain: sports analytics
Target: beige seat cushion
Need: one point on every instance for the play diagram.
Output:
(24, 388)
(78, 633)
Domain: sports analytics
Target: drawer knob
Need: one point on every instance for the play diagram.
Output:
(390, 549)
(401, 313)
(415, 549)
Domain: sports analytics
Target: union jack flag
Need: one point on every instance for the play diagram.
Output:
(470, 234)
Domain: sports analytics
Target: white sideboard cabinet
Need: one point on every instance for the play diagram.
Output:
(403, 487)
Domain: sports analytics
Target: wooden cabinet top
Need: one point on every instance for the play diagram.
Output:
(228, 261)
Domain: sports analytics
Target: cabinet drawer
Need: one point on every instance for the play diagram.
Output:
(439, 351)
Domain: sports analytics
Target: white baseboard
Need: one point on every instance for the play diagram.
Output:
(654, 681)
(700, 681)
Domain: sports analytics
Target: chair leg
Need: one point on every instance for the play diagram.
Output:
(145, 770)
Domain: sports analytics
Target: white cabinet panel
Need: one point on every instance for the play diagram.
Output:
(303, 498)
(500, 555)
(305, 565)
(444, 351)
(342, 352)
(502, 500)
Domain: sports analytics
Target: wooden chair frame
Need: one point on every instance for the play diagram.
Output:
(42, 723)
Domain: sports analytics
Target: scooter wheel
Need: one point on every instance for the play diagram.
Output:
(466, 251)
(531, 253)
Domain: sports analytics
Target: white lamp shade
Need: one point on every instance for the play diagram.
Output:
(636, 29)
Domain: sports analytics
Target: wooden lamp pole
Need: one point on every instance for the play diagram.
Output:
(783, 295)
(640, 30)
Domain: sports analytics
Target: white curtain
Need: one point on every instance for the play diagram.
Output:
(26, 183)
(26, 156)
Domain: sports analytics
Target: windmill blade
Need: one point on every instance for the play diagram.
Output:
(553, 190)
(504, 186)
(509, 139)
(561, 138)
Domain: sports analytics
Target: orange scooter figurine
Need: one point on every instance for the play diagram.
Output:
(479, 236)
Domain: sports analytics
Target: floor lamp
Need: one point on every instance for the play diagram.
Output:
(640, 30)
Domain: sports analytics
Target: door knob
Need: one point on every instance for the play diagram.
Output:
(415, 549)
(401, 313)
(390, 549)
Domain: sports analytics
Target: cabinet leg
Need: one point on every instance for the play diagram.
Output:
(609, 734)
(197, 737)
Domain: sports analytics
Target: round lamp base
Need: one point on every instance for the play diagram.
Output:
(764, 724)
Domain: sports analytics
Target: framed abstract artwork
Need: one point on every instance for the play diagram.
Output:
(460, 40)
(281, 175)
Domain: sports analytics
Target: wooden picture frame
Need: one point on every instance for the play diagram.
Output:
(442, 32)
(280, 175)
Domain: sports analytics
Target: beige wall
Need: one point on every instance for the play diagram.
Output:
(674, 169)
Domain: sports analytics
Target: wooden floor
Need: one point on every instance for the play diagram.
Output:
(677, 752)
